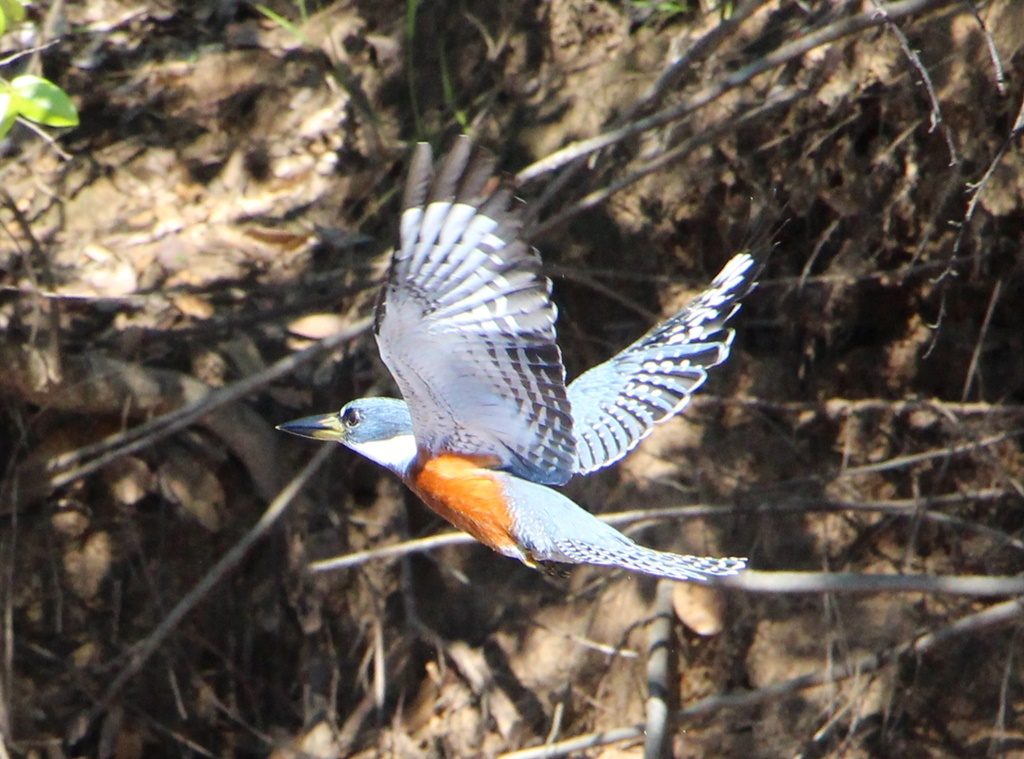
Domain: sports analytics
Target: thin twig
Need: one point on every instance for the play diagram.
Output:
(899, 462)
(895, 507)
(52, 309)
(611, 651)
(884, 278)
(668, 78)
(144, 649)
(778, 57)
(937, 121)
(991, 618)
(905, 507)
(972, 368)
(706, 136)
(54, 19)
(111, 448)
(615, 294)
(46, 137)
(33, 51)
(834, 407)
(698, 51)
(993, 52)
(394, 551)
(819, 246)
(1004, 692)
(751, 580)
(975, 190)
(556, 721)
(755, 581)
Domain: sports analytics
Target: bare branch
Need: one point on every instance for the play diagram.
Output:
(144, 649)
(778, 57)
(755, 581)
(933, 99)
(993, 53)
(659, 670)
(989, 619)
(972, 368)
(898, 462)
(907, 507)
(835, 407)
(62, 470)
(977, 188)
(706, 136)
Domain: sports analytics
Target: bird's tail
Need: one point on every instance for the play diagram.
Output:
(548, 527)
(626, 554)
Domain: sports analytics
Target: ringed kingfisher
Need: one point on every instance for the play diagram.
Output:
(466, 326)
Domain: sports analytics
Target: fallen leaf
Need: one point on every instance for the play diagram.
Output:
(185, 480)
(317, 326)
(700, 608)
(192, 305)
(86, 567)
(129, 479)
(103, 274)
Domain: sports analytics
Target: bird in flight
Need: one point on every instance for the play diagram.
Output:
(466, 326)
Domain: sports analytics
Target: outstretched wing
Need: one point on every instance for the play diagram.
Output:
(616, 404)
(466, 325)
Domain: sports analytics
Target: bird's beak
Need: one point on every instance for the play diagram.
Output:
(320, 427)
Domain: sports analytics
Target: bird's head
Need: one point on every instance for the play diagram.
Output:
(378, 428)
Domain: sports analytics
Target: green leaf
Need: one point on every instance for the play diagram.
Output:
(11, 12)
(284, 23)
(8, 113)
(43, 102)
(17, 11)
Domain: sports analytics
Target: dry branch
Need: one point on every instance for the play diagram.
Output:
(95, 384)
(144, 649)
(778, 57)
(659, 672)
(706, 136)
(910, 507)
(989, 619)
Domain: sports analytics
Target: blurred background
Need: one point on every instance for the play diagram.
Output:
(228, 200)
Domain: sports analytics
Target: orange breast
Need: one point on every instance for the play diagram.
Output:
(462, 490)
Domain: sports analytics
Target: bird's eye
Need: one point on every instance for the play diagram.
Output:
(351, 418)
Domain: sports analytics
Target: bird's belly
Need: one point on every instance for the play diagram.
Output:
(470, 496)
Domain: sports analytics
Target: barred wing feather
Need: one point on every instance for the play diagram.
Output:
(616, 404)
(465, 324)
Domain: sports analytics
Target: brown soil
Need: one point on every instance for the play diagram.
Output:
(230, 196)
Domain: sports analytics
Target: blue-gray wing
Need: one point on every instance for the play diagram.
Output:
(616, 404)
(466, 325)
